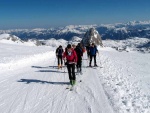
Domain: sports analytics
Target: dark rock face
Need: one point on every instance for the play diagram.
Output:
(91, 36)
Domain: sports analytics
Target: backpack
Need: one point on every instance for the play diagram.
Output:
(79, 51)
(60, 51)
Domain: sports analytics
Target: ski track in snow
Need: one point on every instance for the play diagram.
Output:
(41, 88)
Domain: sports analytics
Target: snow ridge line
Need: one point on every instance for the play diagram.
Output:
(125, 96)
(26, 60)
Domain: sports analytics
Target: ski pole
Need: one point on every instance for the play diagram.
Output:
(82, 65)
(64, 73)
(100, 60)
(64, 69)
(64, 65)
(54, 62)
(88, 60)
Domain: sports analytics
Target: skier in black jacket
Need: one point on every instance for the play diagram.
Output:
(79, 52)
(59, 54)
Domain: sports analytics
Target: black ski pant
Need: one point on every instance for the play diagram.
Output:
(59, 57)
(79, 63)
(71, 71)
(91, 57)
(88, 55)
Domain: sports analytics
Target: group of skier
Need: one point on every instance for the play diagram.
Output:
(72, 57)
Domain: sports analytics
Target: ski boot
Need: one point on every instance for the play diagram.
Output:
(95, 65)
(73, 82)
(59, 66)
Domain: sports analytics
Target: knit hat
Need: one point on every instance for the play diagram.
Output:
(69, 46)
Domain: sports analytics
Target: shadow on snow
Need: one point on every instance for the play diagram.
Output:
(53, 71)
(44, 67)
(28, 81)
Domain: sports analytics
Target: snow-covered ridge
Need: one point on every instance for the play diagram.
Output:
(12, 39)
(132, 44)
(53, 42)
(138, 23)
(76, 39)
(13, 56)
(23, 61)
(9, 37)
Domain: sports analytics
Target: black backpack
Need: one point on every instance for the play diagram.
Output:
(79, 51)
(60, 51)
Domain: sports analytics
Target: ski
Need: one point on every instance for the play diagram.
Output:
(60, 68)
(92, 67)
(72, 88)
(68, 87)
(79, 73)
(80, 80)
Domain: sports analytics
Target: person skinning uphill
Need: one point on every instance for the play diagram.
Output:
(59, 54)
(93, 51)
(71, 60)
(79, 52)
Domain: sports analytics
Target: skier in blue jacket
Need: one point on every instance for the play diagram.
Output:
(92, 51)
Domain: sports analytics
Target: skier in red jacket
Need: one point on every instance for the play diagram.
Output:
(71, 60)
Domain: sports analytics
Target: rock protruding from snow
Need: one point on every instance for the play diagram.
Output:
(91, 36)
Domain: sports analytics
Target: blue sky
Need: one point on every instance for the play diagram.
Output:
(55, 13)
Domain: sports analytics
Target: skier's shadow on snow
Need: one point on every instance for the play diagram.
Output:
(44, 67)
(53, 71)
(28, 81)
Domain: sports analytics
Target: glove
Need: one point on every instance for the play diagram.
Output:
(66, 63)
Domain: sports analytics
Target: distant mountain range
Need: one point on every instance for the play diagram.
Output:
(119, 31)
(131, 44)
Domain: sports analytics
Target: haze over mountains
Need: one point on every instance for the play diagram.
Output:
(118, 31)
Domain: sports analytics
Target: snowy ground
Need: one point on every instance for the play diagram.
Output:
(30, 84)
(125, 78)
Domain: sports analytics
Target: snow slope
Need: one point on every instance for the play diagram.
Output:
(33, 84)
(125, 78)
(37, 87)
(14, 55)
